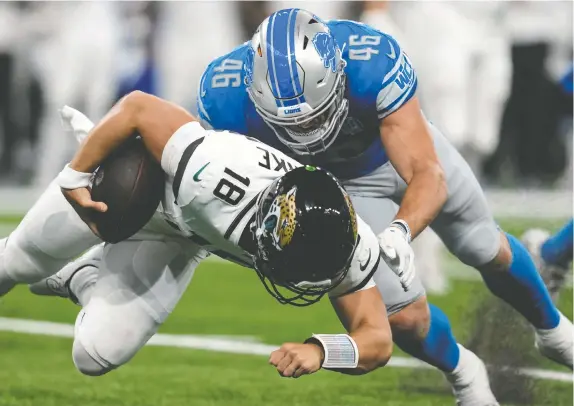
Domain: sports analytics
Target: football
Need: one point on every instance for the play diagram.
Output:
(131, 183)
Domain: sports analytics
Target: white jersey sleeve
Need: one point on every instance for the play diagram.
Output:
(175, 146)
(363, 265)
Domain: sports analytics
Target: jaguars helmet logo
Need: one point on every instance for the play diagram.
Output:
(280, 221)
(353, 215)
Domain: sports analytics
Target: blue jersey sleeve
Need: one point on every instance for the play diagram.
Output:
(201, 95)
(378, 69)
(399, 83)
(222, 96)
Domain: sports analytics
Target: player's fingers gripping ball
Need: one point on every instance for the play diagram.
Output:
(131, 183)
(126, 188)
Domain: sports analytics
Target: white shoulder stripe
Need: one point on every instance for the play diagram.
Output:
(398, 61)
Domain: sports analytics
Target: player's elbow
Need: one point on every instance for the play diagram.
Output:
(434, 175)
(381, 349)
(442, 188)
(134, 103)
(135, 97)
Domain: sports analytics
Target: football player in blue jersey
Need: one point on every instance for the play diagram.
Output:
(341, 95)
(554, 253)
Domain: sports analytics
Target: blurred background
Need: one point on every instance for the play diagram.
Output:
(489, 76)
(489, 72)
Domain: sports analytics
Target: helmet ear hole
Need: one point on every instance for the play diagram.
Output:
(305, 42)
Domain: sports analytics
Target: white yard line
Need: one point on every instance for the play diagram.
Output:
(235, 345)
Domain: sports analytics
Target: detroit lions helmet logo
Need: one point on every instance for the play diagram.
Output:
(248, 65)
(325, 47)
(280, 221)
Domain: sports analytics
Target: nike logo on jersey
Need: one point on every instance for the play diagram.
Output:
(364, 267)
(196, 176)
(391, 54)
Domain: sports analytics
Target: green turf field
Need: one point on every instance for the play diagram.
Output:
(224, 299)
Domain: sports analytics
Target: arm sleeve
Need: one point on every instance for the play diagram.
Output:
(400, 82)
(177, 144)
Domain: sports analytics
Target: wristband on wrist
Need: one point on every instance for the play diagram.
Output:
(71, 179)
(404, 227)
(340, 350)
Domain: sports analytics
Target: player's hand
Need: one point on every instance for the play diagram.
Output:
(75, 123)
(296, 359)
(81, 201)
(398, 254)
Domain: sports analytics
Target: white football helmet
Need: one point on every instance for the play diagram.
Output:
(295, 77)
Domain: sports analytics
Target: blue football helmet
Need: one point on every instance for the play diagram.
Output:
(295, 78)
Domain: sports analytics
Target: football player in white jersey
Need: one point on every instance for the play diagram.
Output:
(78, 279)
(295, 225)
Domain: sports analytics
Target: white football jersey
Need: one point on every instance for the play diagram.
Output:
(214, 179)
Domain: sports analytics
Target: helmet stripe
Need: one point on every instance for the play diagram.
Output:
(281, 52)
(271, 60)
(295, 82)
(280, 57)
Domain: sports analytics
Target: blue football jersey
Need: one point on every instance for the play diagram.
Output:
(379, 80)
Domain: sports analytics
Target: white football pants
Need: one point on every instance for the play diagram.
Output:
(139, 282)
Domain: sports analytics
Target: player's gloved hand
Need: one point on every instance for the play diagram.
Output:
(397, 251)
(75, 123)
(296, 359)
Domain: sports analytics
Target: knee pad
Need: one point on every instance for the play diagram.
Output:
(479, 246)
(112, 335)
(85, 363)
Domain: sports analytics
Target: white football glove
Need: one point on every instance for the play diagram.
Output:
(397, 252)
(75, 123)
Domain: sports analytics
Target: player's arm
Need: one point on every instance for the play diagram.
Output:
(153, 118)
(156, 120)
(410, 148)
(367, 346)
(364, 315)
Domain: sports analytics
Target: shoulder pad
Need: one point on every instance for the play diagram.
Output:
(379, 73)
(222, 96)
